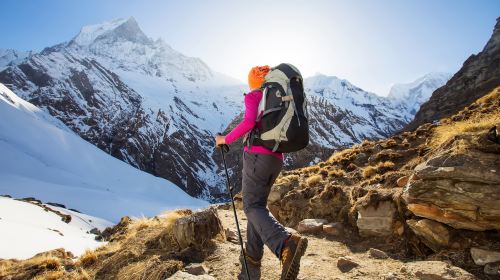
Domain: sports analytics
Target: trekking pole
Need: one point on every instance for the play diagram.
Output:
(224, 149)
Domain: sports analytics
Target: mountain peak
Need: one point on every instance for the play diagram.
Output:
(118, 29)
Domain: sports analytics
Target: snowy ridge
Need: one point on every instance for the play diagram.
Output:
(342, 114)
(412, 95)
(42, 160)
(10, 57)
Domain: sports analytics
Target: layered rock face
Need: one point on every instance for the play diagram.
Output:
(479, 75)
(428, 193)
(459, 188)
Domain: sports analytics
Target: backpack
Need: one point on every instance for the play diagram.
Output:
(282, 111)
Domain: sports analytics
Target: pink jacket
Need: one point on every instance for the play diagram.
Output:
(252, 100)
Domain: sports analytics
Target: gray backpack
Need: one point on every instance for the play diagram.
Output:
(282, 111)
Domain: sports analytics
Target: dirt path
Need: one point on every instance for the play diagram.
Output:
(319, 262)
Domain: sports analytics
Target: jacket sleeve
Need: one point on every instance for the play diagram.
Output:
(248, 122)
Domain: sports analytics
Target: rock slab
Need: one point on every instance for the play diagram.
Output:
(436, 270)
(376, 220)
(433, 234)
(197, 228)
(311, 225)
(458, 186)
(333, 229)
(346, 264)
(482, 256)
(377, 254)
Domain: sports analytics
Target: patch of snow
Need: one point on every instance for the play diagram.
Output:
(21, 221)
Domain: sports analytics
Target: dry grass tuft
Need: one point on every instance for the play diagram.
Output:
(380, 167)
(336, 173)
(310, 169)
(49, 263)
(445, 132)
(389, 143)
(286, 179)
(344, 155)
(169, 218)
(491, 97)
(88, 258)
(366, 143)
(369, 171)
(313, 180)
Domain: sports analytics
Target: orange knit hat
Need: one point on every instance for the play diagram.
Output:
(256, 76)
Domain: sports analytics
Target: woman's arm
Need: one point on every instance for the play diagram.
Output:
(251, 106)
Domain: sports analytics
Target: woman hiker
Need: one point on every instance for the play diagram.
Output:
(261, 167)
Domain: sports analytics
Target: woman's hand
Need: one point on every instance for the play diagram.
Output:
(219, 140)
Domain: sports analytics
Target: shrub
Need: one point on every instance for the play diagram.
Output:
(88, 258)
(380, 167)
(311, 169)
(369, 171)
(49, 263)
(366, 143)
(386, 165)
(389, 143)
(344, 155)
(313, 180)
(336, 173)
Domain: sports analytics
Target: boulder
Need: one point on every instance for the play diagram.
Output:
(376, 220)
(436, 270)
(346, 264)
(433, 234)
(333, 229)
(311, 225)
(181, 275)
(278, 191)
(231, 235)
(492, 269)
(197, 228)
(482, 256)
(459, 184)
(377, 254)
(361, 159)
(196, 269)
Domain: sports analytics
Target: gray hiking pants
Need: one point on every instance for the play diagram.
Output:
(259, 173)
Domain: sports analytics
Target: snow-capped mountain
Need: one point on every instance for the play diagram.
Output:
(342, 114)
(11, 57)
(412, 95)
(42, 158)
(153, 107)
(135, 98)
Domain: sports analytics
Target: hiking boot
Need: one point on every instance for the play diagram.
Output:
(253, 269)
(294, 249)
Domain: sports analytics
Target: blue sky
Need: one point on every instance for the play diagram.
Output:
(371, 43)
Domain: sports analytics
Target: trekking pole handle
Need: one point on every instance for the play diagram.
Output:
(224, 147)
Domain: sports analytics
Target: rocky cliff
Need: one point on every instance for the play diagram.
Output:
(432, 193)
(479, 74)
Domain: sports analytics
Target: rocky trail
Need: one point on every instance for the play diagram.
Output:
(321, 260)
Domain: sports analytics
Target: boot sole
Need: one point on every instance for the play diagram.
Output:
(293, 271)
